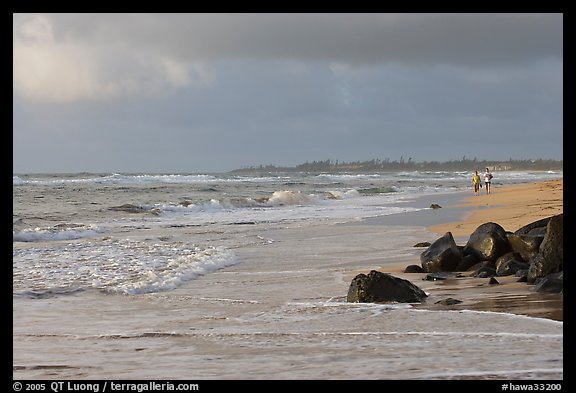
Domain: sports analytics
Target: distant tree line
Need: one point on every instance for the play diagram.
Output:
(379, 165)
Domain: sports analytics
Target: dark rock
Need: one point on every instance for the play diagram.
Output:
(521, 272)
(448, 301)
(442, 255)
(128, 207)
(383, 287)
(467, 262)
(550, 259)
(435, 206)
(539, 226)
(533, 241)
(552, 283)
(493, 281)
(525, 245)
(413, 269)
(422, 244)
(536, 232)
(509, 263)
(437, 276)
(480, 265)
(488, 241)
(485, 272)
(509, 256)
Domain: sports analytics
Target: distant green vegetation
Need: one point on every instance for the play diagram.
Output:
(377, 165)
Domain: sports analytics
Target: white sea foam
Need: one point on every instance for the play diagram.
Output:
(177, 271)
(425, 177)
(125, 266)
(52, 234)
(139, 179)
(504, 374)
(282, 198)
(287, 206)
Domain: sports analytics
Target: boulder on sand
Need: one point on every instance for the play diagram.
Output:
(442, 256)
(378, 287)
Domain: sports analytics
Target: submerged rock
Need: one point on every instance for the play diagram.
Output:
(413, 269)
(128, 207)
(422, 244)
(552, 283)
(450, 301)
(438, 276)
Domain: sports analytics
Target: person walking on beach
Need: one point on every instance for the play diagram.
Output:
(487, 178)
(476, 183)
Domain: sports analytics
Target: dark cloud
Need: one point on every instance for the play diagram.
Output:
(212, 92)
(356, 38)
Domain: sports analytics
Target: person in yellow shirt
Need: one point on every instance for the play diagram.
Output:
(476, 183)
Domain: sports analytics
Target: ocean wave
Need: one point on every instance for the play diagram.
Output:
(115, 266)
(48, 293)
(131, 179)
(54, 234)
(276, 199)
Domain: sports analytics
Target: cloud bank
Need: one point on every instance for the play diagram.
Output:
(69, 57)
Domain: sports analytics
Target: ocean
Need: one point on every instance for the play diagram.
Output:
(223, 276)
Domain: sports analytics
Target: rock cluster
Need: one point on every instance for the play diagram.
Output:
(534, 253)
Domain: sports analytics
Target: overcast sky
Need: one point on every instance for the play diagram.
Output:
(214, 92)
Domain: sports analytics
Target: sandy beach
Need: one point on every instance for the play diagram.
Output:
(512, 207)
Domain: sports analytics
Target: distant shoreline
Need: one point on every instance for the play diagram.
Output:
(377, 165)
(343, 168)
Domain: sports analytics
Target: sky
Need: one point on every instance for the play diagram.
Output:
(201, 93)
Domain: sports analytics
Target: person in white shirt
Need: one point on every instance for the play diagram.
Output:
(487, 178)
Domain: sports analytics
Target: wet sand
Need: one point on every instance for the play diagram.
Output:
(512, 207)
